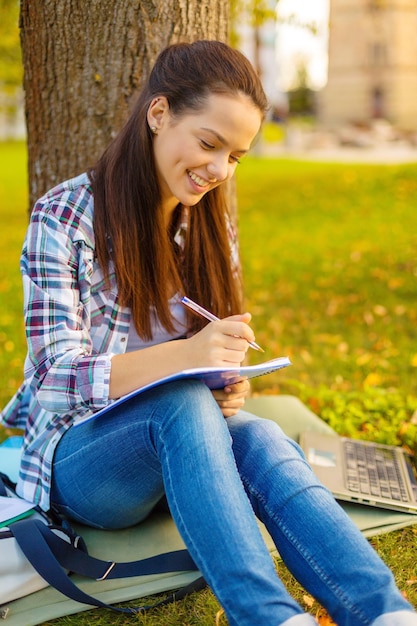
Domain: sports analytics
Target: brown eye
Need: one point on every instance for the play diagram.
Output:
(205, 145)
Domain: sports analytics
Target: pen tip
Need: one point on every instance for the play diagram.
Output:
(255, 345)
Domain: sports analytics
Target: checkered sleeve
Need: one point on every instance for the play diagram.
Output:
(56, 266)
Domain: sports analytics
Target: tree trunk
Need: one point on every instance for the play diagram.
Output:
(83, 65)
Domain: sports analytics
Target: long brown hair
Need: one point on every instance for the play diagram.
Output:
(128, 222)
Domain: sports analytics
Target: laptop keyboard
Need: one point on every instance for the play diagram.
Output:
(374, 471)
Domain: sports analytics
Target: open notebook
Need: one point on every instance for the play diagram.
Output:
(213, 377)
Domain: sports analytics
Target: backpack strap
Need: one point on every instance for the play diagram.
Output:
(4, 480)
(50, 555)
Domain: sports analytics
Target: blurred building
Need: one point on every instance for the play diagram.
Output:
(259, 44)
(372, 70)
(12, 117)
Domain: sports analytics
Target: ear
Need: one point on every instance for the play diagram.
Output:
(158, 111)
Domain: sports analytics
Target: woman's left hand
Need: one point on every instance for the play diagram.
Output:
(232, 398)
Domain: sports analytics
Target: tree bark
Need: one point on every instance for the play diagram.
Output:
(84, 63)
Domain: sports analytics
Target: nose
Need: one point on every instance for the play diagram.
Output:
(219, 167)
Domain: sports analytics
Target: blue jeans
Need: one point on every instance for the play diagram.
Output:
(217, 474)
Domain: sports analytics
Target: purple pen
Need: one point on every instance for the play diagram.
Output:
(193, 306)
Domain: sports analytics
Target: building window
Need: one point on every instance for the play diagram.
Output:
(377, 4)
(378, 54)
(378, 104)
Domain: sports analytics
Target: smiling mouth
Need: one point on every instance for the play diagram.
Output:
(201, 182)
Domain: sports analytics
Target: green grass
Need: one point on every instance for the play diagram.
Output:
(13, 222)
(330, 268)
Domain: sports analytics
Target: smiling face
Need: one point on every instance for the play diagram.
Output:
(199, 150)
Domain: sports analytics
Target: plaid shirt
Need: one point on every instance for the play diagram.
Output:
(74, 324)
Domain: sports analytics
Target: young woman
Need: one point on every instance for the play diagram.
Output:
(107, 257)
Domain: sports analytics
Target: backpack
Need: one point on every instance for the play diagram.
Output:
(42, 549)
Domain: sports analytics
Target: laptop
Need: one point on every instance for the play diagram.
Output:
(361, 471)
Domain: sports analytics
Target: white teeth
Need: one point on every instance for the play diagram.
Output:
(198, 181)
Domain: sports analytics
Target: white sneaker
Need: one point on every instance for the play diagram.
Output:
(305, 619)
(397, 618)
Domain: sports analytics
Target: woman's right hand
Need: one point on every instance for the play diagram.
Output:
(219, 344)
(222, 343)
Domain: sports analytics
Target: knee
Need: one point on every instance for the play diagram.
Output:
(255, 433)
(189, 397)
(260, 443)
(189, 407)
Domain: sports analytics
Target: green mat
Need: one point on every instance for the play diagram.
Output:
(158, 534)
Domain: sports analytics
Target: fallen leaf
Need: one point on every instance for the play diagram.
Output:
(306, 356)
(308, 600)
(372, 380)
(315, 405)
(343, 347)
(368, 317)
(324, 619)
(364, 358)
(395, 283)
(404, 427)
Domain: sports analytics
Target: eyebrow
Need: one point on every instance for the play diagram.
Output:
(223, 140)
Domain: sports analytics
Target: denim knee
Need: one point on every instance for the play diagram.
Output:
(189, 408)
(260, 445)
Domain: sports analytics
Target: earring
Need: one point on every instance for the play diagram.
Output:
(154, 129)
